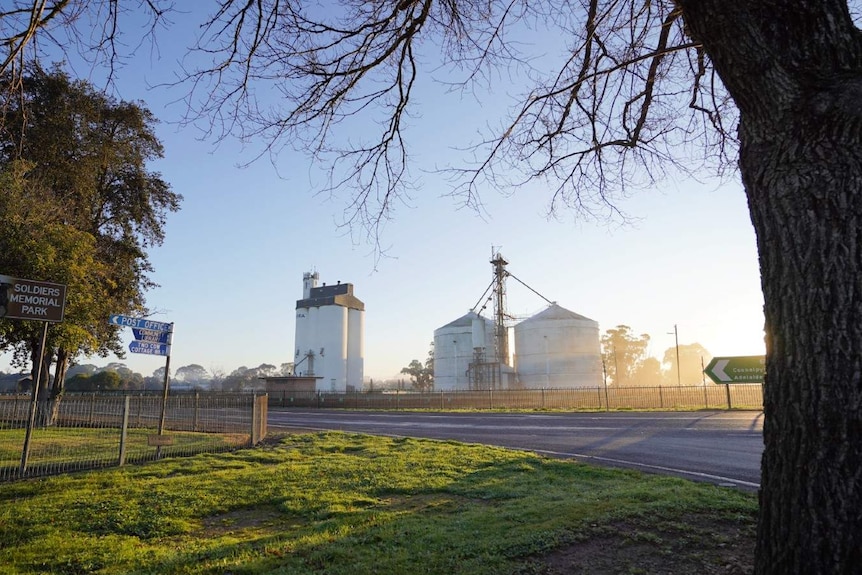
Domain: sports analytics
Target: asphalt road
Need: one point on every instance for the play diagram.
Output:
(714, 446)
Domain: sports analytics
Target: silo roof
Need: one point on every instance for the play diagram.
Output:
(555, 312)
(464, 321)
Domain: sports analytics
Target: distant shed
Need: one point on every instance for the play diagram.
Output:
(291, 383)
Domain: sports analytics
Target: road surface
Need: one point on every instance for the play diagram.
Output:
(715, 446)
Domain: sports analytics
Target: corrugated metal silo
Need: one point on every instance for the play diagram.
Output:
(454, 349)
(558, 348)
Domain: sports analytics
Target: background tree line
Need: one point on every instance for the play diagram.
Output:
(627, 362)
(116, 376)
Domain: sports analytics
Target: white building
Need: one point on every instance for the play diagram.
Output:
(330, 335)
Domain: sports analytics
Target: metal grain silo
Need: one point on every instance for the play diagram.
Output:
(456, 345)
(558, 348)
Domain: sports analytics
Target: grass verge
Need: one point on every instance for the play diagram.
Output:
(339, 503)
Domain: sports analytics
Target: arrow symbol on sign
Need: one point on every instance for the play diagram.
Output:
(718, 370)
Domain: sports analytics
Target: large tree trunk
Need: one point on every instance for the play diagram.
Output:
(58, 385)
(805, 192)
(794, 69)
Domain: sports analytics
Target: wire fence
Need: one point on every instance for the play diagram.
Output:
(87, 431)
(738, 396)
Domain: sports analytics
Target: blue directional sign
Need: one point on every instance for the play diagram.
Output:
(149, 348)
(152, 336)
(141, 323)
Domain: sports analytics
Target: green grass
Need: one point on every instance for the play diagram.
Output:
(347, 504)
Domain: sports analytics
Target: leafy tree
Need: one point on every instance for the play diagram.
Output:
(648, 373)
(218, 377)
(82, 210)
(156, 382)
(36, 243)
(192, 373)
(79, 382)
(159, 374)
(105, 380)
(623, 354)
(244, 378)
(429, 361)
(266, 370)
(421, 378)
(421, 375)
(640, 88)
(128, 379)
(86, 369)
(693, 357)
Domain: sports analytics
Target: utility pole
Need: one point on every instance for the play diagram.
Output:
(676, 341)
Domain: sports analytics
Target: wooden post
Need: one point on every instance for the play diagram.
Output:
(25, 452)
(164, 403)
(124, 431)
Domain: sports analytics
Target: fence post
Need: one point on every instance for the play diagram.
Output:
(140, 407)
(91, 417)
(705, 398)
(660, 398)
(727, 387)
(490, 398)
(124, 430)
(543, 398)
(258, 418)
(197, 405)
(318, 399)
(441, 400)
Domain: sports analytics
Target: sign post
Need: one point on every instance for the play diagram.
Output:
(151, 338)
(32, 300)
(739, 369)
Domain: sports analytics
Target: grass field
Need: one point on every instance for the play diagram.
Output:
(55, 449)
(338, 503)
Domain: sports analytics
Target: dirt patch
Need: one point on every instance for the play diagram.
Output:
(239, 520)
(690, 545)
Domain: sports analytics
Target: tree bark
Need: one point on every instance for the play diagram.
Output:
(41, 385)
(58, 385)
(795, 72)
(804, 193)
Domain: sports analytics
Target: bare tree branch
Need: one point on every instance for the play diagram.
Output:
(32, 29)
(614, 85)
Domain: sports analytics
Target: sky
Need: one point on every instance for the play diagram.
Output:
(230, 269)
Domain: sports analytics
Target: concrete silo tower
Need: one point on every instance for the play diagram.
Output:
(330, 335)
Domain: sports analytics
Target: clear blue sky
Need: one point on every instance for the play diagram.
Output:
(231, 267)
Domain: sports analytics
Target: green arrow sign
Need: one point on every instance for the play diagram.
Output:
(740, 369)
